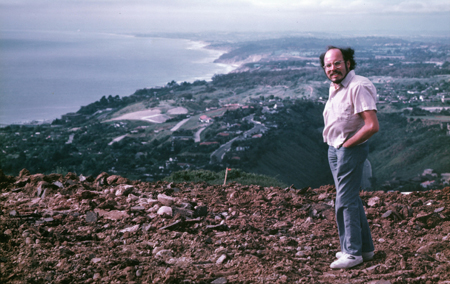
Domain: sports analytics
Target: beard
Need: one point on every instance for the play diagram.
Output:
(338, 73)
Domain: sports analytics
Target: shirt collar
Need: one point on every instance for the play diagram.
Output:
(348, 78)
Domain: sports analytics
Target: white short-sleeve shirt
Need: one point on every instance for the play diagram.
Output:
(354, 95)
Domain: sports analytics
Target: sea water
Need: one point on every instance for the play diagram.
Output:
(46, 74)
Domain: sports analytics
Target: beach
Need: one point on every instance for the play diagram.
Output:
(47, 74)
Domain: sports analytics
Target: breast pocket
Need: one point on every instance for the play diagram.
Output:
(343, 111)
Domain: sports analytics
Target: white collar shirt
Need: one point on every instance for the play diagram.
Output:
(346, 100)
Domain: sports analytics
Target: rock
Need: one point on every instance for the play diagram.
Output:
(201, 211)
(96, 276)
(164, 253)
(113, 214)
(132, 197)
(172, 226)
(58, 184)
(374, 201)
(387, 214)
(183, 212)
(112, 179)
(440, 209)
(429, 248)
(137, 209)
(220, 280)
(124, 190)
(131, 229)
(165, 210)
(96, 260)
(221, 259)
(24, 173)
(220, 227)
(91, 217)
(101, 179)
(166, 200)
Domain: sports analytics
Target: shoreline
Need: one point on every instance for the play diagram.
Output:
(210, 56)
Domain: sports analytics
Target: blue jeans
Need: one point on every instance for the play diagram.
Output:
(346, 165)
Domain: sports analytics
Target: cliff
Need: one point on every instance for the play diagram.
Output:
(73, 229)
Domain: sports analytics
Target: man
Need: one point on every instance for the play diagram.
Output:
(350, 120)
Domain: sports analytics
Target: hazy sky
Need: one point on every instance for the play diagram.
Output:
(387, 16)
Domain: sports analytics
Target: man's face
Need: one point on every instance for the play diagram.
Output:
(335, 72)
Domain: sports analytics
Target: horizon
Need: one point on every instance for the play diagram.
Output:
(382, 17)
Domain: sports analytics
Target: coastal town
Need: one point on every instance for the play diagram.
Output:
(225, 122)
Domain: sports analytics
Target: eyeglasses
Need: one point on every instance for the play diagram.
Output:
(336, 64)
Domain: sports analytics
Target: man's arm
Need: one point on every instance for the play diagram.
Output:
(370, 127)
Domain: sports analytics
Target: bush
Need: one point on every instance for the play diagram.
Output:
(234, 175)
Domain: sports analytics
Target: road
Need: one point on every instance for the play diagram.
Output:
(258, 127)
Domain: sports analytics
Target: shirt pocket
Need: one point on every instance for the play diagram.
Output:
(343, 111)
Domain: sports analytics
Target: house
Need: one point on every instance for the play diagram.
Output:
(205, 119)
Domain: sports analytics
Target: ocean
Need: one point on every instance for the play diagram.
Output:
(46, 74)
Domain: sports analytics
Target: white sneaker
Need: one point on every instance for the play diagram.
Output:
(365, 255)
(346, 261)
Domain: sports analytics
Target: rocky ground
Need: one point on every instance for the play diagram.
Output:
(72, 229)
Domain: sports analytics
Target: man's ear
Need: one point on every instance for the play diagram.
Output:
(348, 63)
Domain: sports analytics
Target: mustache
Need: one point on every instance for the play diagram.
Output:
(335, 73)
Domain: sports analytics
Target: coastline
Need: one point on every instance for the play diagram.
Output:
(197, 65)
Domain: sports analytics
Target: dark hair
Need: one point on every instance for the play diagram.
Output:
(347, 53)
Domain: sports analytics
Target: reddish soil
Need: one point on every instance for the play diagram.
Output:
(64, 229)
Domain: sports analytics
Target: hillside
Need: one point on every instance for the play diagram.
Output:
(69, 229)
(265, 118)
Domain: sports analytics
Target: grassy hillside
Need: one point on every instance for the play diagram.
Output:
(293, 151)
(405, 147)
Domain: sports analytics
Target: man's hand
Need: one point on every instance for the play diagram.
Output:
(370, 127)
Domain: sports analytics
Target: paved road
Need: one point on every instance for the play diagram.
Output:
(258, 127)
(179, 124)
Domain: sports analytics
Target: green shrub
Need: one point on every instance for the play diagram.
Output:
(234, 175)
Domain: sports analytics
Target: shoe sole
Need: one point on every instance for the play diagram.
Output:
(367, 258)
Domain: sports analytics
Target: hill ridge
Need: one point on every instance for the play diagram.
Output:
(73, 229)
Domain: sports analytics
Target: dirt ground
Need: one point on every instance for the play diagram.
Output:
(72, 229)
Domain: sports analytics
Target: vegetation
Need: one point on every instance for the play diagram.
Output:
(234, 175)
(271, 109)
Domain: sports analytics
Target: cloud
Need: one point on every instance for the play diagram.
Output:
(224, 15)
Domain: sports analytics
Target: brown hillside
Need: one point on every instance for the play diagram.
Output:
(64, 229)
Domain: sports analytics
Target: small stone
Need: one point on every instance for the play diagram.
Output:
(164, 253)
(381, 240)
(166, 200)
(13, 213)
(137, 208)
(221, 280)
(300, 254)
(387, 214)
(374, 201)
(138, 273)
(221, 259)
(28, 240)
(440, 209)
(132, 229)
(91, 217)
(201, 211)
(124, 190)
(165, 210)
(132, 197)
(96, 276)
(58, 184)
(96, 260)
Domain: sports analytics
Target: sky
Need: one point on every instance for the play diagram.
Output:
(395, 17)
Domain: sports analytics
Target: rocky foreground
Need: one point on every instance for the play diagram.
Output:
(72, 229)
